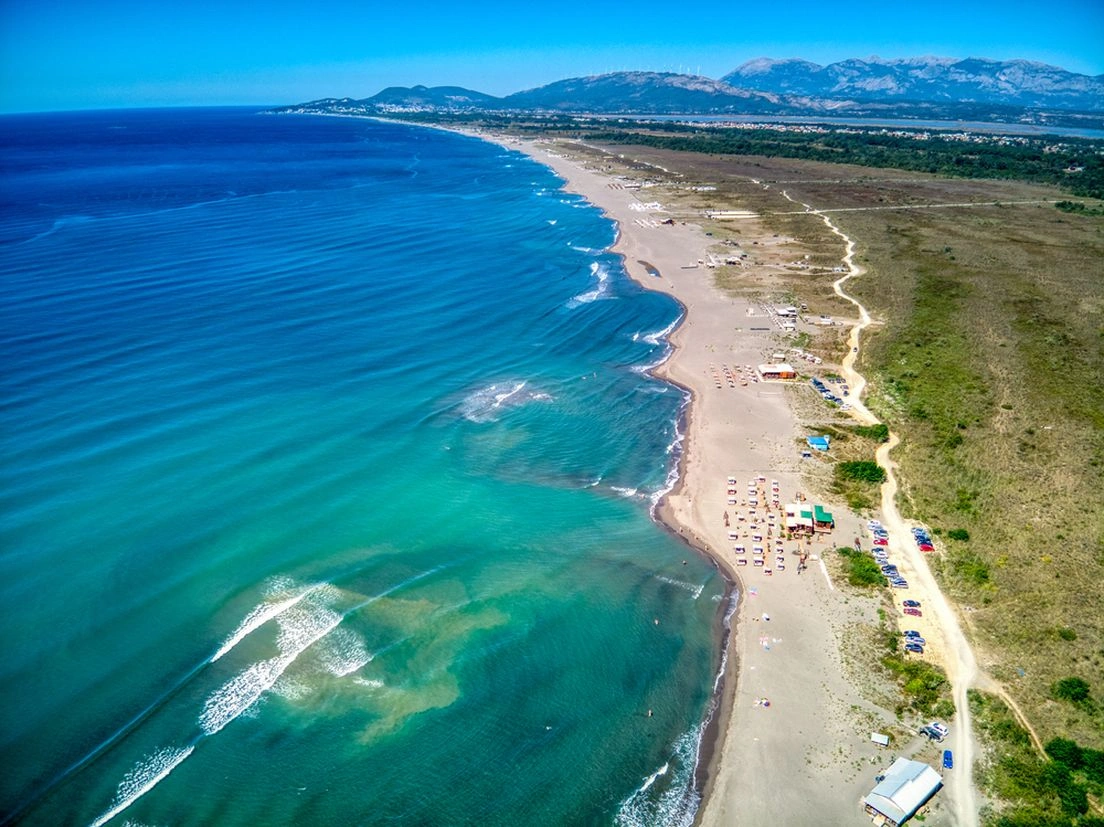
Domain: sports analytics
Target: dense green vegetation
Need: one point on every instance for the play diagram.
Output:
(1073, 164)
(878, 433)
(923, 685)
(1037, 792)
(1079, 208)
(861, 569)
(1039, 161)
(1075, 690)
(861, 471)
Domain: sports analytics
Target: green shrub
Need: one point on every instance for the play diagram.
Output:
(1074, 690)
(922, 683)
(1066, 751)
(959, 534)
(879, 432)
(968, 566)
(861, 471)
(861, 569)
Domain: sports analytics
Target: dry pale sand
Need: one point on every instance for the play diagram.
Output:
(806, 758)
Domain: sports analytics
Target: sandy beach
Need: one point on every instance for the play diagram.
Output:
(791, 740)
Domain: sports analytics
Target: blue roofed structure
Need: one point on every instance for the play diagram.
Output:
(820, 443)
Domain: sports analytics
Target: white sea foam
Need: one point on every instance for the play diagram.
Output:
(144, 776)
(695, 590)
(485, 404)
(627, 493)
(651, 779)
(300, 627)
(674, 449)
(600, 291)
(258, 617)
(292, 689)
(676, 804)
(660, 335)
(344, 653)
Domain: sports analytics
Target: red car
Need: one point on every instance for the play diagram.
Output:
(927, 547)
(880, 541)
(914, 612)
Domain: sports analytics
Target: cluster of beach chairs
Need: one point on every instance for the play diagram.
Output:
(759, 526)
(741, 375)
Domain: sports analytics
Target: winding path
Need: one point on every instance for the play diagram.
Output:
(962, 670)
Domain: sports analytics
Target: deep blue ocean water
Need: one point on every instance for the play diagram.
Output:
(327, 458)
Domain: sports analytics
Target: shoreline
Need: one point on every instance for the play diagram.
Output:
(816, 752)
(787, 724)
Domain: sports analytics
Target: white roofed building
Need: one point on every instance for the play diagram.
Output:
(906, 787)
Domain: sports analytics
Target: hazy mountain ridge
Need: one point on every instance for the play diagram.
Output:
(917, 87)
(935, 79)
(644, 92)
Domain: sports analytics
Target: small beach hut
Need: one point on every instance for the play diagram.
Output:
(906, 787)
(823, 520)
(819, 443)
(799, 519)
(782, 370)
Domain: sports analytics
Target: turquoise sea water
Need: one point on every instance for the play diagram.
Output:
(328, 453)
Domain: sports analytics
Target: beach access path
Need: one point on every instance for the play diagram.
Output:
(946, 640)
(806, 757)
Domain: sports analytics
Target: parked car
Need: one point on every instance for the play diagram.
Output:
(927, 547)
(915, 648)
(881, 541)
(910, 633)
(914, 612)
(911, 639)
(948, 760)
(902, 584)
(935, 730)
(911, 604)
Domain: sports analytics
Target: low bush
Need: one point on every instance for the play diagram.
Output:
(861, 569)
(921, 683)
(861, 471)
(879, 432)
(1074, 690)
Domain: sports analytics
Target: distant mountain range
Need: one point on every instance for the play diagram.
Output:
(928, 87)
(926, 79)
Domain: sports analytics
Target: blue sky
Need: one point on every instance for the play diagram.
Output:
(68, 54)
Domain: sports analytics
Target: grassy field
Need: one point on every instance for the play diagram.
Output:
(988, 360)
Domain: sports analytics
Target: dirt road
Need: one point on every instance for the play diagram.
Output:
(954, 651)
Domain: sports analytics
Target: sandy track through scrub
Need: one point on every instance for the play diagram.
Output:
(957, 654)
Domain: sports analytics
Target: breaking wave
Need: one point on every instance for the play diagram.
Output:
(146, 774)
(600, 291)
(485, 404)
(666, 798)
